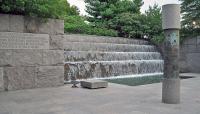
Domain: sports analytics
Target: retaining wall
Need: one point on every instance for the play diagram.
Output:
(31, 52)
(190, 55)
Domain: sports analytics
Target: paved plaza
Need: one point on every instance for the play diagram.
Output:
(116, 99)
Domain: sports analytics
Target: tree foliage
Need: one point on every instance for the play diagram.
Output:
(77, 24)
(191, 18)
(124, 16)
(102, 11)
(37, 8)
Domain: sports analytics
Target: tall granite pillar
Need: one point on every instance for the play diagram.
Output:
(171, 26)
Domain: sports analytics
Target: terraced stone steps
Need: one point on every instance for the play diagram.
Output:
(103, 39)
(99, 69)
(109, 56)
(108, 47)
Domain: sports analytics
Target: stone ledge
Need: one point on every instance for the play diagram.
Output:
(23, 57)
(94, 84)
(18, 78)
(19, 23)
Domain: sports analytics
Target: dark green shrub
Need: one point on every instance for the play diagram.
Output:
(37, 8)
(77, 24)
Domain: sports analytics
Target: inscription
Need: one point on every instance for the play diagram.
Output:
(24, 41)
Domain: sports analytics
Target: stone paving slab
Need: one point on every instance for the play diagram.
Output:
(116, 99)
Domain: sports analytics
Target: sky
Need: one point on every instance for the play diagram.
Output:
(81, 5)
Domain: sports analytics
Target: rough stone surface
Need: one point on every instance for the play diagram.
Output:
(19, 78)
(190, 55)
(6, 58)
(171, 91)
(52, 26)
(13, 40)
(1, 80)
(27, 57)
(171, 16)
(53, 57)
(50, 76)
(56, 42)
(16, 23)
(94, 84)
(193, 60)
(4, 22)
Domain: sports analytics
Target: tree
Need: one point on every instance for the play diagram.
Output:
(191, 18)
(37, 8)
(191, 14)
(154, 23)
(102, 11)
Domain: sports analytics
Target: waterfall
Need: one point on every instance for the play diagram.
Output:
(92, 57)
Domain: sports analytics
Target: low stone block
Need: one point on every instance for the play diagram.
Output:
(58, 26)
(94, 84)
(46, 26)
(31, 24)
(4, 22)
(5, 58)
(53, 57)
(17, 78)
(52, 26)
(16, 23)
(1, 80)
(50, 76)
(13, 40)
(27, 57)
(56, 42)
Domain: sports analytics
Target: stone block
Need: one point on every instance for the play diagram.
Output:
(57, 42)
(190, 41)
(13, 40)
(50, 76)
(193, 62)
(53, 57)
(94, 84)
(46, 26)
(1, 80)
(4, 22)
(16, 23)
(58, 26)
(52, 26)
(32, 24)
(27, 57)
(6, 58)
(17, 78)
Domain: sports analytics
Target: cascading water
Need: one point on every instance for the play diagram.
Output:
(90, 57)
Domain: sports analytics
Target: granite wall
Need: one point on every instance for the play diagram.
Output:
(190, 55)
(31, 52)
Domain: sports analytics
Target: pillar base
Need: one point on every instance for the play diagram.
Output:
(171, 91)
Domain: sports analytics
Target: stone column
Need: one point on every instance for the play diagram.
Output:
(171, 26)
